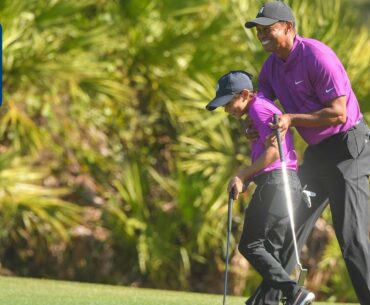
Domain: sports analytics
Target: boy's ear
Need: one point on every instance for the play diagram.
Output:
(245, 93)
(290, 26)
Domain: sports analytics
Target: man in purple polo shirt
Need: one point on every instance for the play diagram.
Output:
(315, 91)
(266, 220)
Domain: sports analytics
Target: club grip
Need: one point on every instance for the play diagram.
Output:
(231, 194)
(278, 137)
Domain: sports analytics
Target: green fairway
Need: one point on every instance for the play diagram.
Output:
(22, 291)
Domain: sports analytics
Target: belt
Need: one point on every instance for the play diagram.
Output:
(360, 121)
(274, 173)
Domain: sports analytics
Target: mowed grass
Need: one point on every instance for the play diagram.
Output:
(25, 291)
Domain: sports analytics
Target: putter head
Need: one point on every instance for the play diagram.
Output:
(302, 276)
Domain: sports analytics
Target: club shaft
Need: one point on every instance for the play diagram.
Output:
(287, 192)
(229, 221)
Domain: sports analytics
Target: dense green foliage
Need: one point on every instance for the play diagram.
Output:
(111, 170)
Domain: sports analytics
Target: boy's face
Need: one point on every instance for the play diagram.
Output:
(237, 105)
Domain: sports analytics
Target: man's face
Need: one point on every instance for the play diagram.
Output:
(273, 37)
(236, 106)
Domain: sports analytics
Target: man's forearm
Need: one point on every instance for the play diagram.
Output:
(334, 114)
(320, 118)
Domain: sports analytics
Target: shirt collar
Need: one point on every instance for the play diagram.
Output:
(293, 52)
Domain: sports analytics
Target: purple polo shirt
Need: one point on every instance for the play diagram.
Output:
(261, 111)
(311, 76)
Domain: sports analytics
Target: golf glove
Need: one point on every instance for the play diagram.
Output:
(306, 194)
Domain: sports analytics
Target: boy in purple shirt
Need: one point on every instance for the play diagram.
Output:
(266, 221)
(315, 91)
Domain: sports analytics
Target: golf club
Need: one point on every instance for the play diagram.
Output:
(288, 198)
(229, 220)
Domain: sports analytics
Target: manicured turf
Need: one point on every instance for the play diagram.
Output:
(22, 291)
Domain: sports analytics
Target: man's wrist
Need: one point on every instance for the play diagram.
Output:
(291, 118)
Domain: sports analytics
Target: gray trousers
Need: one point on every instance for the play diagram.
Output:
(266, 224)
(337, 169)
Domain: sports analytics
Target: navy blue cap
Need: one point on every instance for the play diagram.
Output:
(271, 13)
(228, 86)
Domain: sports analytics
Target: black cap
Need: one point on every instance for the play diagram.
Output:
(271, 13)
(228, 86)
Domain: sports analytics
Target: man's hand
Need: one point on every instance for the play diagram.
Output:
(248, 129)
(237, 185)
(283, 124)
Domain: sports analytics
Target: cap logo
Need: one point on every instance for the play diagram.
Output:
(261, 10)
(217, 87)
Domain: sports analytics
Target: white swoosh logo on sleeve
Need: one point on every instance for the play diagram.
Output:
(298, 82)
(328, 90)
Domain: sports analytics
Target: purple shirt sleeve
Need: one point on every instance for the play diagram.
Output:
(261, 116)
(261, 112)
(264, 86)
(326, 75)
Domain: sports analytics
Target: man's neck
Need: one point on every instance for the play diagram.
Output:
(284, 51)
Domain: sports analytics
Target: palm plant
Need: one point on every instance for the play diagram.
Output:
(56, 78)
(114, 92)
(34, 218)
(337, 283)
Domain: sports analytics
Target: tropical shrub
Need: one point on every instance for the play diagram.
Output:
(105, 109)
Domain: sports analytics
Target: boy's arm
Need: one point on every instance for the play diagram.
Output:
(270, 155)
(262, 114)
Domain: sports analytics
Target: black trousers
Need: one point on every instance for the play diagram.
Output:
(337, 169)
(265, 229)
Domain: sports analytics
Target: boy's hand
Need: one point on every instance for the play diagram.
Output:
(270, 140)
(237, 185)
(248, 129)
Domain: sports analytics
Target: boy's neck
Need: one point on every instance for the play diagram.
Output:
(250, 102)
